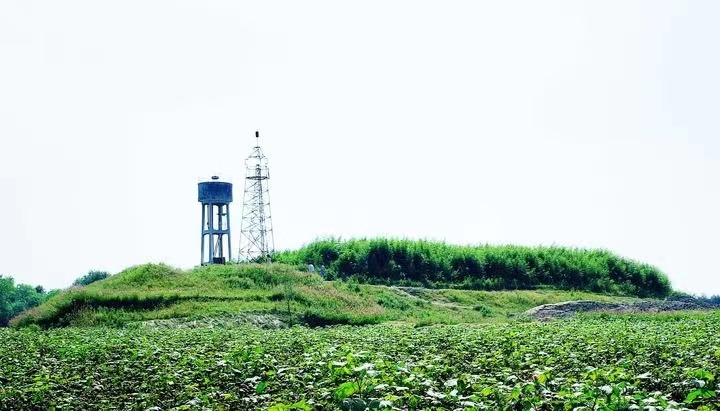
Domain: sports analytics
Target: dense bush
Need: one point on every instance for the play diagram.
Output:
(485, 267)
(17, 298)
(91, 277)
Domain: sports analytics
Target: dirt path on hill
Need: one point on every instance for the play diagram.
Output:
(570, 308)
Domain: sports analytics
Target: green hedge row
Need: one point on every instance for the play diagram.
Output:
(432, 264)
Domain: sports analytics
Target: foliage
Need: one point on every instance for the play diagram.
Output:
(15, 299)
(713, 300)
(157, 291)
(661, 362)
(431, 264)
(91, 277)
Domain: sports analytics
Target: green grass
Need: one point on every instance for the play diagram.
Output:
(599, 362)
(156, 291)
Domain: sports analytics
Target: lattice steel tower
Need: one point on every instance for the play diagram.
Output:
(256, 233)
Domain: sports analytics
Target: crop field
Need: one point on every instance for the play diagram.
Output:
(603, 362)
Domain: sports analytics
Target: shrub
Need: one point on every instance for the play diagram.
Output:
(91, 277)
(432, 264)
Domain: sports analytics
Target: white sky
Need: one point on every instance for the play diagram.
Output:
(575, 123)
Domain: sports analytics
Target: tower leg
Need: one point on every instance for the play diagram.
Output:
(220, 227)
(211, 232)
(227, 221)
(202, 237)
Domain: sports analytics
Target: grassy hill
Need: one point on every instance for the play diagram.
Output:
(156, 292)
(485, 267)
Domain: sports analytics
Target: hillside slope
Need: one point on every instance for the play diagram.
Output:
(485, 267)
(152, 292)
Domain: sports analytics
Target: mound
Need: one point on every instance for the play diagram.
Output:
(223, 295)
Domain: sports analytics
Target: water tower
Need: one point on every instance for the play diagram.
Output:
(215, 197)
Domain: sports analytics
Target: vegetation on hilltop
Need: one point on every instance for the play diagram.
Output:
(156, 291)
(439, 265)
(91, 277)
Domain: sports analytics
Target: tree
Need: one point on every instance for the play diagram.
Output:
(7, 291)
(15, 299)
(91, 277)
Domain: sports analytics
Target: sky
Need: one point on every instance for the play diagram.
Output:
(570, 123)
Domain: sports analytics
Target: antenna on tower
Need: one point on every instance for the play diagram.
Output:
(256, 233)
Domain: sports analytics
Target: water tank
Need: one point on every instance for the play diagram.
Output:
(215, 191)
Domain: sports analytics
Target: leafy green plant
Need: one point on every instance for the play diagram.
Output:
(613, 363)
